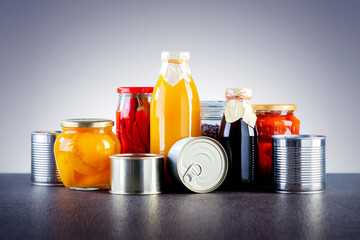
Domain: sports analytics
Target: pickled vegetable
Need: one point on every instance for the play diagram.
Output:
(268, 124)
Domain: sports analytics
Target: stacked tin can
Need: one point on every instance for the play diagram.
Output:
(299, 163)
(43, 166)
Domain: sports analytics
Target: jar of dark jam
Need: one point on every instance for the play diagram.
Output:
(238, 137)
(211, 115)
(272, 119)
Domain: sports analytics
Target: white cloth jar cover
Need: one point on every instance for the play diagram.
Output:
(175, 67)
(237, 106)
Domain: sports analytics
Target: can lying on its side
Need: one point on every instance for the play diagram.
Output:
(136, 173)
(198, 163)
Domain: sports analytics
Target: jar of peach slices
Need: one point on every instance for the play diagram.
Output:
(82, 153)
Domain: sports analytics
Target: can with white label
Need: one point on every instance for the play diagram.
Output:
(198, 163)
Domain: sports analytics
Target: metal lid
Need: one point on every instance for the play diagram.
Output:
(298, 141)
(213, 104)
(44, 136)
(136, 156)
(202, 164)
(87, 123)
(274, 107)
(135, 89)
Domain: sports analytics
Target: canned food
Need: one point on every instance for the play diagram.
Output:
(299, 163)
(198, 163)
(135, 173)
(43, 166)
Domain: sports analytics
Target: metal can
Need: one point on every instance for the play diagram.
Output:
(135, 173)
(299, 163)
(44, 171)
(198, 163)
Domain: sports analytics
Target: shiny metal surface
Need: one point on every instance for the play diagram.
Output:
(87, 123)
(44, 171)
(136, 173)
(198, 163)
(299, 163)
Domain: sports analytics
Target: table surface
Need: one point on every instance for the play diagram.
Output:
(28, 211)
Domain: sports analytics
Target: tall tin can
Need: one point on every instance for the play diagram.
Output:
(44, 171)
(299, 163)
(198, 163)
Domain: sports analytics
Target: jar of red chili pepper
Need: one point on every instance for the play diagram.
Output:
(133, 119)
(272, 119)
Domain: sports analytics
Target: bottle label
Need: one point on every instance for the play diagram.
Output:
(174, 73)
(237, 106)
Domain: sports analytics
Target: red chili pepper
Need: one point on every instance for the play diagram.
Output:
(138, 145)
(143, 119)
(118, 120)
(126, 144)
(128, 114)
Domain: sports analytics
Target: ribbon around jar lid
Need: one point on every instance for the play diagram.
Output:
(237, 106)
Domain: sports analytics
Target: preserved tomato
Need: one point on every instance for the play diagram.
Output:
(272, 119)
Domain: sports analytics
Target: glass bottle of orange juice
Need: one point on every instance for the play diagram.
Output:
(175, 105)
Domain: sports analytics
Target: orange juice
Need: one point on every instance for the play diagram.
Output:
(175, 105)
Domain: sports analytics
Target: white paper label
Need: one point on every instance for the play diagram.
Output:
(174, 73)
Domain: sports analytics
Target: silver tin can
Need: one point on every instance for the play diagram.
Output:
(136, 173)
(198, 163)
(44, 171)
(299, 163)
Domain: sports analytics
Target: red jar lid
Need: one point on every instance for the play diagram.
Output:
(135, 89)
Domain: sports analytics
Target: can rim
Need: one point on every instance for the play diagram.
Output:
(136, 156)
(226, 167)
(55, 132)
(299, 137)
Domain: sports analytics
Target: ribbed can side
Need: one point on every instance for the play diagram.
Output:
(299, 163)
(43, 165)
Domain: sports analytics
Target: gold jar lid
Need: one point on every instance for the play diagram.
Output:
(87, 123)
(274, 107)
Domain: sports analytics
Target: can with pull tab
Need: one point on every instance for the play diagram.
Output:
(198, 163)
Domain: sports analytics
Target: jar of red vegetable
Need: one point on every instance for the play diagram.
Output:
(272, 119)
(133, 119)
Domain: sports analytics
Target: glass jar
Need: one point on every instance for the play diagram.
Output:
(133, 119)
(175, 106)
(238, 137)
(82, 153)
(211, 115)
(272, 119)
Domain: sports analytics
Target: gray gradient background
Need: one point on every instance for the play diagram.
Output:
(65, 59)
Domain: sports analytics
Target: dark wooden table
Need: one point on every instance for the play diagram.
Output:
(36, 212)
